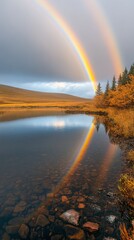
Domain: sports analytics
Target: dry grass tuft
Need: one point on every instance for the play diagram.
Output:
(130, 156)
(124, 233)
(126, 187)
(123, 122)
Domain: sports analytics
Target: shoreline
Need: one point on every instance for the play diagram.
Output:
(11, 113)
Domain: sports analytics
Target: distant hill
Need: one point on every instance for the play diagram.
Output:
(12, 95)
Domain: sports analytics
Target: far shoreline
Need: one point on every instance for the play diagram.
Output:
(10, 112)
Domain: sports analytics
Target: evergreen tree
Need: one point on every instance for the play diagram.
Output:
(107, 89)
(120, 80)
(131, 71)
(98, 90)
(113, 88)
(125, 77)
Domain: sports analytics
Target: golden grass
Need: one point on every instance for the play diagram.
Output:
(124, 233)
(130, 156)
(12, 99)
(123, 122)
(126, 187)
(10, 96)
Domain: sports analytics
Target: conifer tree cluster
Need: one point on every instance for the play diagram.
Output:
(120, 93)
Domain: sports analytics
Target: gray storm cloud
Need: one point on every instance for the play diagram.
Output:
(31, 43)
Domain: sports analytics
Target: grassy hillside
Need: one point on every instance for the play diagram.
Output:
(17, 103)
(11, 95)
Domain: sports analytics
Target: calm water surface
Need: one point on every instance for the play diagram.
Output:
(36, 159)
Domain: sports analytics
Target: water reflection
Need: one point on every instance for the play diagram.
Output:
(65, 155)
(51, 122)
(109, 158)
(36, 148)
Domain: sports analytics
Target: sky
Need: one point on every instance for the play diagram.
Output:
(36, 54)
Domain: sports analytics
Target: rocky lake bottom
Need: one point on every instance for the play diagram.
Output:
(58, 180)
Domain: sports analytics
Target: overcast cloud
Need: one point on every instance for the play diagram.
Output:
(35, 54)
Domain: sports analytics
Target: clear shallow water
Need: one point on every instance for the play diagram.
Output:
(37, 153)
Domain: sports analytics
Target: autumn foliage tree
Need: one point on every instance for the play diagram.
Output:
(120, 94)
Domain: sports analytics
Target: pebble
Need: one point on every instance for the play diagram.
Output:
(64, 199)
(20, 207)
(42, 210)
(13, 229)
(23, 231)
(110, 194)
(5, 236)
(111, 218)
(42, 221)
(70, 216)
(109, 230)
(95, 207)
(51, 218)
(57, 237)
(91, 226)
(50, 195)
(73, 232)
(81, 206)
(16, 221)
(81, 199)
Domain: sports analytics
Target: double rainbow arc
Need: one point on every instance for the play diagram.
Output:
(111, 44)
(101, 20)
(70, 35)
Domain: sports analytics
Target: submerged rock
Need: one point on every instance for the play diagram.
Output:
(80, 199)
(91, 226)
(109, 229)
(73, 232)
(111, 218)
(110, 194)
(70, 216)
(6, 212)
(51, 218)
(57, 237)
(12, 229)
(43, 210)
(16, 221)
(50, 195)
(42, 221)
(20, 207)
(95, 207)
(64, 199)
(81, 205)
(23, 231)
(5, 236)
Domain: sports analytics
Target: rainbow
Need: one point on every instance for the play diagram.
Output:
(79, 50)
(79, 157)
(105, 166)
(108, 35)
(70, 35)
(82, 150)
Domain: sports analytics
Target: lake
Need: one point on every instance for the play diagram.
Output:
(54, 161)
